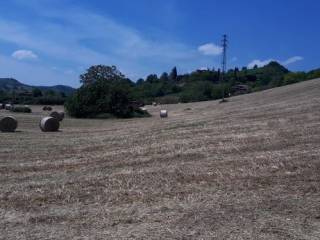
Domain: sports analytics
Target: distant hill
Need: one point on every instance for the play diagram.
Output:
(11, 84)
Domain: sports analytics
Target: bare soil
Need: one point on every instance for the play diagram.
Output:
(245, 169)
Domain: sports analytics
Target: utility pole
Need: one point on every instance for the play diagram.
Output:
(224, 63)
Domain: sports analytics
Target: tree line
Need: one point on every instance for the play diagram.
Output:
(36, 96)
(106, 92)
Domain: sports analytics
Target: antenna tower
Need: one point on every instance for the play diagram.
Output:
(224, 63)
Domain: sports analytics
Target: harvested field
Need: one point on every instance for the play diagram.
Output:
(246, 169)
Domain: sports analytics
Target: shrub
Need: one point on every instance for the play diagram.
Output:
(291, 78)
(103, 98)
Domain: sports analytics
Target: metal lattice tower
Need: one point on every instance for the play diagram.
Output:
(224, 62)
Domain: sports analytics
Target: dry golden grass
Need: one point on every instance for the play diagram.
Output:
(246, 169)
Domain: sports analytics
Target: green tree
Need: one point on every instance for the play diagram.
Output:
(294, 77)
(50, 93)
(140, 81)
(173, 74)
(36, 92)
(101, 72)
(111, 95)
(164, 77)
(152, 78)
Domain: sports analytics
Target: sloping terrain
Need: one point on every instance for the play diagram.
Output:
(246, 169)
(10, 84)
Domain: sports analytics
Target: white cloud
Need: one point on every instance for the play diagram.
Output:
(292, 60)
(24, 55)
(203, 68)
(210, 49)
(259, 63)
(86, 38)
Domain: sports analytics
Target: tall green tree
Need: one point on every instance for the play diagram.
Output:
(36, 92)
(152, 78)
(164, 77)
(173, 74)
(101, 72)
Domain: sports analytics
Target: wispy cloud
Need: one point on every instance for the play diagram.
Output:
(210, 49)
(24, 55)
(292, 60)
(261, 63)
(85, 38)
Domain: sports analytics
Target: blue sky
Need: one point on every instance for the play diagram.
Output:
(48, 42)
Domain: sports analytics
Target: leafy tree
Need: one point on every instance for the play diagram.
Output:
(174, 74)
(36, 92)
(152, 78)
(164, 77)
(110, 95)
(100, 72)
(62, 94)
(313, 74)
(50, 93)
(140, 81)
(294, 77)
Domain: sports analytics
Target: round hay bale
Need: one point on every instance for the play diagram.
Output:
(163, 113)
(8, 124)
(8, 107)
(57, 115)
(49, 124)
(61, 115)
(47, 108)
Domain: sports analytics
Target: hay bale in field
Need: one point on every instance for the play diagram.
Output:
(163, 113)
(20, 109)
(62, 115)
(8, 107)
(57, 115)
(49, 124)
(47, 108)
(8, 124)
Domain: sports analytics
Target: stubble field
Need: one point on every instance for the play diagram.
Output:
(246, 169)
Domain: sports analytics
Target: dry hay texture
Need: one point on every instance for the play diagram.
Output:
(49, 124)
(57, 115)
(246, 169)
(8, 124)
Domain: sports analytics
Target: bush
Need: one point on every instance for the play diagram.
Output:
(291, 78)
(21, 109)
(103, 98)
